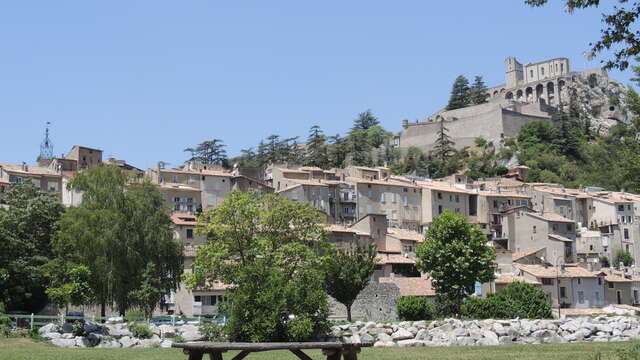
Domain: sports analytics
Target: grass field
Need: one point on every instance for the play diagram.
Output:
(23, 349)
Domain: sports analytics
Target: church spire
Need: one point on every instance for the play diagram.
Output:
(46, 147)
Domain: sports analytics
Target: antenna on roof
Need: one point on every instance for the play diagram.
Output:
(46, 147)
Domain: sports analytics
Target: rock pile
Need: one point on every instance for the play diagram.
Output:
(115, 334)
(453, 332)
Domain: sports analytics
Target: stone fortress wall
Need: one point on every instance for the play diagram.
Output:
(534, 91)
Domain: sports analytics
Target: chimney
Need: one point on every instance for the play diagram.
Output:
(25, 167)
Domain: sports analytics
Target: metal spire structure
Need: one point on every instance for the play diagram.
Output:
(46, 148)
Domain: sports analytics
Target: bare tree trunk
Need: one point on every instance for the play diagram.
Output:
(348, 312)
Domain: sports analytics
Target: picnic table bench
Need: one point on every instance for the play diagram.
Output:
(332, 350)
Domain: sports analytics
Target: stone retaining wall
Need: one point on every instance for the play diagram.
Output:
(453, 332)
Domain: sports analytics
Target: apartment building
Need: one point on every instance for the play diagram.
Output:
(622, 286)
(525, 229)
(440, 196)
(43, 178)
(567, 286)
(399, 201)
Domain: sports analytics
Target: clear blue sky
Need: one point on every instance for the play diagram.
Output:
(142, 80)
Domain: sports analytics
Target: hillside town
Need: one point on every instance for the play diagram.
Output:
(563, 240)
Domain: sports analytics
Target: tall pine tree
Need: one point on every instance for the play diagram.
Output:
(478, 91)
(459, 93)
(443, 147)
(316, 154)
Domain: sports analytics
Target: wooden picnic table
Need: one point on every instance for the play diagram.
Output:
(332, 350)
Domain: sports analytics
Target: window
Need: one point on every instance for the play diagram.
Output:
(534, 229)
(382, 200)
(405, 200)
(599, 281)
(611, 285)
(563, 292)
(628, 207)
(495, 204)
(407, 248)
(581, 297)
(394, 197)
(369, 194)
(189, 233)
(197, 298)
(176, 199)
(555, 227)
(457, 210)
(597, 297)
(531, 73)
(579, 281)
(542, 71)
(561, 68)
(569, 227)
(546, 281)
(440, 196)
(439, 209)
(450, 197)
(191, 179)
(174, 179)
(457, 198)
(626, 234)
(629, 220)
(590, 247)
(620, 207)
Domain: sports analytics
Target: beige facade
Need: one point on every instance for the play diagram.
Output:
(400, 202)
(527, 230)
(43, 178)
(85, 156)
(438, 197)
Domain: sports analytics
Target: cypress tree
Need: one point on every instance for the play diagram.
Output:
(444, 145)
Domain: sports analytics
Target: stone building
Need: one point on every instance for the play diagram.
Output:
(43, 178)
(534, 91)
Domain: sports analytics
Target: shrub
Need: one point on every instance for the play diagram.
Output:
(415, 308)
(178, 339)
(78, 328)
(5, 326)
(141, 331)
(604, 261)
(623, 257)
(300, 328)
(134, 315)
(213, 331)
(516, 300)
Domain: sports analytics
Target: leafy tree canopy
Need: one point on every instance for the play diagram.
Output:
(456, 256)
(27, 227)
(270, 250)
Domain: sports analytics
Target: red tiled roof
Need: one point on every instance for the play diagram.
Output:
(525, 253)
(184, 219)
(411, 286)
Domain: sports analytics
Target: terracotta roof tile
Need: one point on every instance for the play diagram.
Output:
(403, 234)
(411, 286)
(525, 253)
(389, 258)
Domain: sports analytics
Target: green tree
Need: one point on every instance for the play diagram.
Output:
(459, 94)
(150, 292)
(478, 91)
(365, 121)
(348, 272)
(623, 257)
(316, 148)
(28, 223)
(209, 152)
(121, 226)
(72, 287)
(456, 256)
(337, 151)
(270, 250)
(619, 32)
(604, 261)
(443, 147)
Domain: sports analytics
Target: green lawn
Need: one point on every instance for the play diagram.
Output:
(23, 349)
